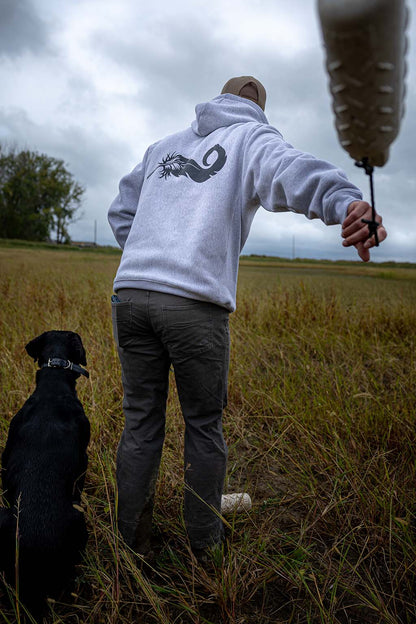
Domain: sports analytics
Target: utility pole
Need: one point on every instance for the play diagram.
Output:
(95, 232)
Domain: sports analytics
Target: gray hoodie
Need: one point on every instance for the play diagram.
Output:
(184, 213)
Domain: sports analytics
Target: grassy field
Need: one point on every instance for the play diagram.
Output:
(321, 433)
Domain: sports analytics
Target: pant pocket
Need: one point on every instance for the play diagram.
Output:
(121, 318)
(188, 329)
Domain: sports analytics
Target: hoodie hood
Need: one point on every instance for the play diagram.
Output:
(223, 111)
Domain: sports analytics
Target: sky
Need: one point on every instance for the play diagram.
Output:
(94, 83)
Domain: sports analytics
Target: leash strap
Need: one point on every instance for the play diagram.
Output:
(372, 223)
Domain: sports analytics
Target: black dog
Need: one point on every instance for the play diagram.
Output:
(43, 532)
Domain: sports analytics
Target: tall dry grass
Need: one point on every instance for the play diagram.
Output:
(321, 433)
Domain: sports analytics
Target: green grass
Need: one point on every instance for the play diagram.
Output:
(10, 243)
(321, 433)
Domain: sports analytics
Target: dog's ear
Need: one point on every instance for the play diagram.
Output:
(78, 347)
(35, 346)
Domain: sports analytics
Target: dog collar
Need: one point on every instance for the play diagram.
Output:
(60, 363)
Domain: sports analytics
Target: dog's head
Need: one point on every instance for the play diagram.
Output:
(57, 344)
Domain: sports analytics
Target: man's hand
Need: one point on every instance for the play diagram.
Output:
(355, 232)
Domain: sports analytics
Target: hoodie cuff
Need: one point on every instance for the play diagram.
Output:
(339, 208)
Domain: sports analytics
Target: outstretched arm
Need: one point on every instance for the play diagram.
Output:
(286, 179)
(355, 231)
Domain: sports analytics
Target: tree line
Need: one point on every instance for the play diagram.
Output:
(39, 197)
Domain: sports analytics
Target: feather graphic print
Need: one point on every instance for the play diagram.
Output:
(177, 165)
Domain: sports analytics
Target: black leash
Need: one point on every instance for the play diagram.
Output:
(372, 223)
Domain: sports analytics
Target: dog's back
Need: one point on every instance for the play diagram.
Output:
(45, 455)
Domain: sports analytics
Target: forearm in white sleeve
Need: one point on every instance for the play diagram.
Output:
(287, 179)
(123, 209)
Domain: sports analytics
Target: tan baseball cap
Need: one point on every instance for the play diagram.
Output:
(247, 87)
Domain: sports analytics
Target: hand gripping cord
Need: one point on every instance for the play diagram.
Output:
(372, 223)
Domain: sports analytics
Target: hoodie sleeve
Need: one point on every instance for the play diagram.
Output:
(285, 179)
(123, 209)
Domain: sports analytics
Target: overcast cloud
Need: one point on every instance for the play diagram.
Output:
(95, 82)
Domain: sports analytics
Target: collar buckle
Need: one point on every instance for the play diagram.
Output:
(54, 362)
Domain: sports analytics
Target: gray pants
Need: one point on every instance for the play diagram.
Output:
(152, 331)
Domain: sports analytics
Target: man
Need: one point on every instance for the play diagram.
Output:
(182, 217)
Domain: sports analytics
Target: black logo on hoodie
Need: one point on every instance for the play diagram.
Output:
(177, 165)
